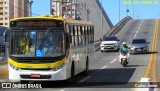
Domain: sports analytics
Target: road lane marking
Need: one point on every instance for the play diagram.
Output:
(104, 67)
(113, 61)
(151, 71)
(140, 25)
(88, 77)
(142, 21)
(136, 32)
(135, 35)
(62, 90)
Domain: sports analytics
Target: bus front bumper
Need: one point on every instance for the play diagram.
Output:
(37, 75)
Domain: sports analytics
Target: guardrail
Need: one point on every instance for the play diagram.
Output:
(113, 31)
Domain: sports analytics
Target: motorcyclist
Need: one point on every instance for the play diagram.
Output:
(124, 48)
(124, 51)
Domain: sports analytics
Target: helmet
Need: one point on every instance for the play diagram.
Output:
(124, 43)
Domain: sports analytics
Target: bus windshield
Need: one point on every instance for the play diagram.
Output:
(37, 43)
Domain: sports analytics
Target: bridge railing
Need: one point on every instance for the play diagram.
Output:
(113, 31)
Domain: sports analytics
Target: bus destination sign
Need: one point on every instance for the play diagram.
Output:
(36, 23)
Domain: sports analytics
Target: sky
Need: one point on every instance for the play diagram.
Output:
(141, 11)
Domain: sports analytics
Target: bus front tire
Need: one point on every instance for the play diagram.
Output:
(69, 80)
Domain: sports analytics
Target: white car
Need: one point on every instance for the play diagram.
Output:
(110, 43)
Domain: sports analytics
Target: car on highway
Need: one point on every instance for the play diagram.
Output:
(139, 45)
(110, 43)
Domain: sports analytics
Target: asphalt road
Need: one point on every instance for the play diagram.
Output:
(106, 73)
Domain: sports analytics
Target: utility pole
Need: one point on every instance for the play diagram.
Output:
(127, 8)
(119, 11)
(30, 8)
(76, 9)
(88, 12)
(71, 8)
(133, 8)
(102, 19)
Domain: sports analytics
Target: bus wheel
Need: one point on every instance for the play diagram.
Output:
(69, 80)
(72, 70)
(87, 67)
(24, 82)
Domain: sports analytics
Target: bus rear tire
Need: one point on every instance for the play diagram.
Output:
(87, 67)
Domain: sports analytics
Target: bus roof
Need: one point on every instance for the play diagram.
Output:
(40, 17)
(70, 21)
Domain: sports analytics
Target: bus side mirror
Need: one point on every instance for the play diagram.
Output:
(5, 36)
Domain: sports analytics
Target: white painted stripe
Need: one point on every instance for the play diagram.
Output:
(113, 61)
(136, 32)
(135, 36)
(62, 90)
(85, 79)
(142, 21)
(140, 25)
(104, 67)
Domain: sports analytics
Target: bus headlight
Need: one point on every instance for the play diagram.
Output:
(58, 67)
(14, 67)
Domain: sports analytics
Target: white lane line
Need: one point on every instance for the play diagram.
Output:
(136, 32)
(138, 28)
(142, 21)
(140, 25)
(62, 90)
(104, 67)
(135, 36)
(113, 61)
(85, 79)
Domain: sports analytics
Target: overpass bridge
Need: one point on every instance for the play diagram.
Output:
(91, 10)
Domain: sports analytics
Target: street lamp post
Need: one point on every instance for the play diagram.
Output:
(102, 19)
(88, 12)
(71, 8)
(30, 8)
(127, 8)
(133, 8)
(119, 11)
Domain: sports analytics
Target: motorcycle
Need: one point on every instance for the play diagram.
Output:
(124, 58)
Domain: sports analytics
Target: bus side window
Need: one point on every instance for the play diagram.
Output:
(75, 38)
(85, 35)
(89, 35)
(81, 35)
(93, 34)
(73, 35)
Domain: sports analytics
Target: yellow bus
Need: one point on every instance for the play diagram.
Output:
(49, 48)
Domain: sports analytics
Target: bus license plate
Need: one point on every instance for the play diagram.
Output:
(35, 75)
